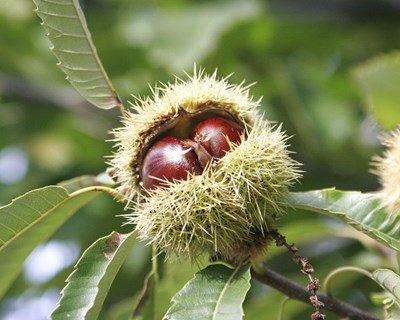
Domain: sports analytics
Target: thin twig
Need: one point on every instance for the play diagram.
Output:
(295, 291)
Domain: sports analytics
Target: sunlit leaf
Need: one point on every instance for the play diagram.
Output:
(88, 285)
(67, 30)
(362, 211)
(379, 80)
(30, 220)
(215, 293)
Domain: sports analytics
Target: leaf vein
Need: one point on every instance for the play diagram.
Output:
(61, 64)
(72, 51)
(62, 3)
(8, 228)
(86, 80)
(56, 15)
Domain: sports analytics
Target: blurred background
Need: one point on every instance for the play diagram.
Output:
(300, 55)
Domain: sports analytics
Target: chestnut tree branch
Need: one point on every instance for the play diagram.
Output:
(295, 291)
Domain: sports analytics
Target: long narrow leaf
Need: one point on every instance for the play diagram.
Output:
(215, 293)
(30, 220)
(87, 287)
(361, 210)
(67, 30)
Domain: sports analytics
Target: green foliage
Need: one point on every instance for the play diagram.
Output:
(313, 65)
(29, 221)
(73, 46)
(88, 285)
(361, 211)
(215, 293)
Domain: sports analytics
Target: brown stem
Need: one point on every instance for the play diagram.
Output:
(297, 292)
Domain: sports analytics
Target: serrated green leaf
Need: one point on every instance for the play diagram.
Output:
(72, 43)
(88, 285)
(379, 81)
(30, 220)
(215, 293)
(390, 281)
(362, 211)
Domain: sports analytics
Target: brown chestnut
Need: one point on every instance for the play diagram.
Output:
(173, 159)
(213, 134)
(168, 159)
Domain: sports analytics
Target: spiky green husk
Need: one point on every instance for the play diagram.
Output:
(222, 211)
(192, 95)
(387, 168)
(229, 209)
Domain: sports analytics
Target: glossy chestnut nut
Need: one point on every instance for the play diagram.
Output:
(213, 134)
(168, 159)
(173, 159)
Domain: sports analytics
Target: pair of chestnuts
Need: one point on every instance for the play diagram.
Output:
(171, 158)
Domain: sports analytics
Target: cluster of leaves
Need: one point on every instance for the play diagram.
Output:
(218, 291)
